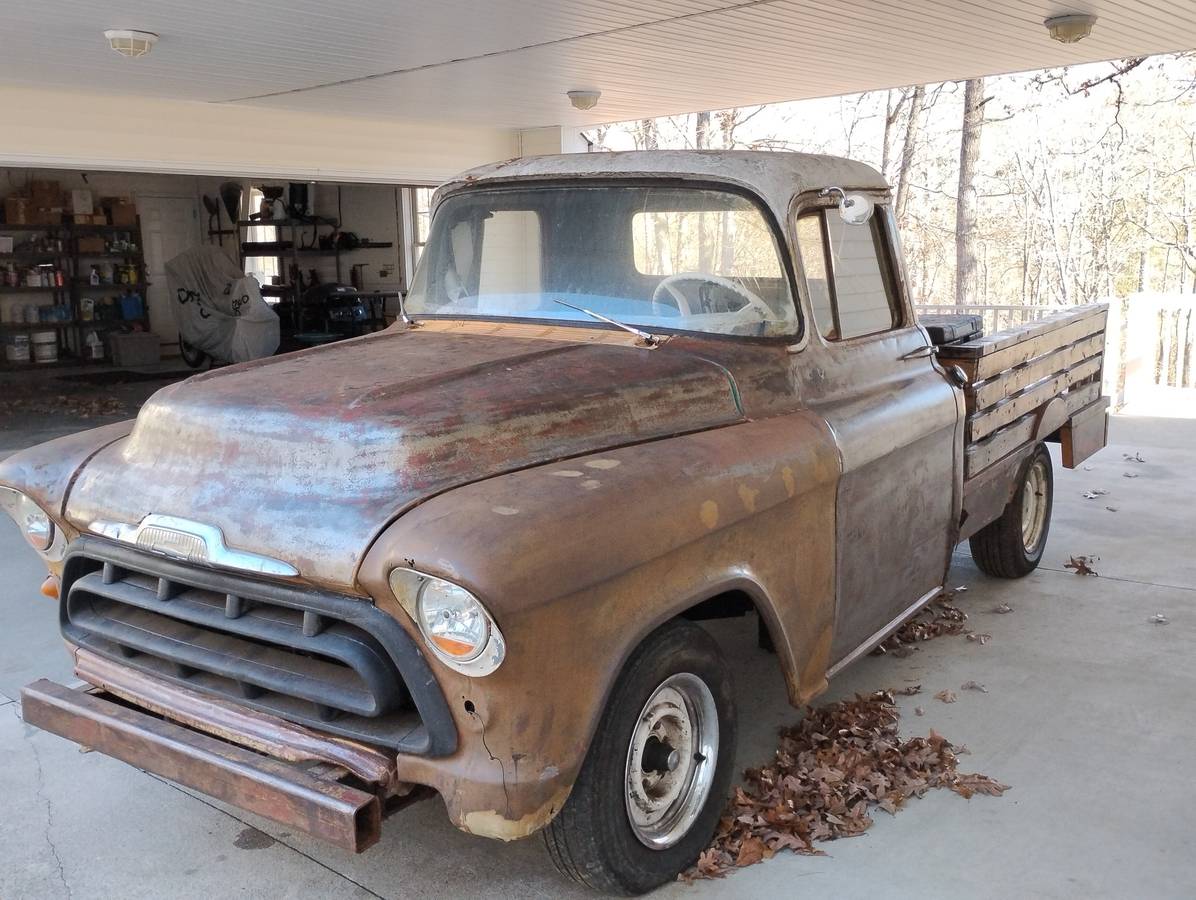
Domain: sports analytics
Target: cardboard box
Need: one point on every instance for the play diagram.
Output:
(6, 243)
(100, 218)
(45, 193)
(81, 219)
(16, 210)
(141, 348)
(81, 204)
(123, 213)
(92, 243)
(41, 215)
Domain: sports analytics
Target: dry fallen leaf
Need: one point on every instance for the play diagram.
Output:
(973, 686)
(1158, 619)
(945, 695)
(829, 772)
(938, 618)
(1129, 474)
(1111, 508)
(1082, 565)
(1002, 609)
(1135, 457)
(919, 711)
(980, 639)
(909, 691)
(1093, 494)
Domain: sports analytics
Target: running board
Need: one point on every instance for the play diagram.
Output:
(878, 636)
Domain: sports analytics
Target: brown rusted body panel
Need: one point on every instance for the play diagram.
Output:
(585, 488)
(579, 560)
(312, 454)
(333, 812)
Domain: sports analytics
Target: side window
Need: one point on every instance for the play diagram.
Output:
(847, 276)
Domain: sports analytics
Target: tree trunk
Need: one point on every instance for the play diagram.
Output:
(705, 238)
(917, 102)
(965, 204)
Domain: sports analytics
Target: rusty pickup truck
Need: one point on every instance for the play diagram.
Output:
(465, 556)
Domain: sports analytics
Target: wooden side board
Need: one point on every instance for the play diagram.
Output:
(979, 455)
(1014, 374)
(990, 356)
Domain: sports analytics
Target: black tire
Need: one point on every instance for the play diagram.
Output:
(592, 839)
(1000, 548)
(193, 356)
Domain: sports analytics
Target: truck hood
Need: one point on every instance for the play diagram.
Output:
(307, 457)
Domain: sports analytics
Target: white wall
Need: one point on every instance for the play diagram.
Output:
(57, 129)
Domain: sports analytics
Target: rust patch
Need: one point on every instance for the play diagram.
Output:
(709, 514)
(748, 496)
(492, 824)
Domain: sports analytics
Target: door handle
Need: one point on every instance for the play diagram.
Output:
(920, 352)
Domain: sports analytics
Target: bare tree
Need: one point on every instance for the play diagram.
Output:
(965, 202)
(913, 123)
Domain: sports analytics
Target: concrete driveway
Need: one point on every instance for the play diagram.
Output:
(1088, 716)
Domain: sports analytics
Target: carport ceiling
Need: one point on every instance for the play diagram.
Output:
(508, 63)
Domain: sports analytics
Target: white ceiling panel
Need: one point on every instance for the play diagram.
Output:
(508, 62)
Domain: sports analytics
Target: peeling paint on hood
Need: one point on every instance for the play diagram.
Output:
(307, 457)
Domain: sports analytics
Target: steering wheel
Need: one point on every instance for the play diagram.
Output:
(668, 285)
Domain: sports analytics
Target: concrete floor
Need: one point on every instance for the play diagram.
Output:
(1088, 717)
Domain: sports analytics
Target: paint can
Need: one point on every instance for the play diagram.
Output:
(45, 346)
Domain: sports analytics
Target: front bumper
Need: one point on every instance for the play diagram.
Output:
(320, 806)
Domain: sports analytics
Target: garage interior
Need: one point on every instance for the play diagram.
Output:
(84, 257)
(111, 166)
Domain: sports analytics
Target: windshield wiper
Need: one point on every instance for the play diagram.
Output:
(649, 340)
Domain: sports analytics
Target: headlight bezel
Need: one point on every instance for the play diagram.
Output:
(411, 586)
(21, 508)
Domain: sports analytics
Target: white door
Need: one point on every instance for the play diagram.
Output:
(169, 225)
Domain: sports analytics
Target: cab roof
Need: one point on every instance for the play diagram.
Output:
(775, 176)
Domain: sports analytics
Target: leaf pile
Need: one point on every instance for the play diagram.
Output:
(83, 406)
(830, 770)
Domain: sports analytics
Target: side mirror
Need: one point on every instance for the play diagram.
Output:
(854, 209)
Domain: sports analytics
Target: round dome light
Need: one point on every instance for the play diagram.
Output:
(133, 44)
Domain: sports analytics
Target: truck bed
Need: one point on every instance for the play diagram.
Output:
(1023, 380)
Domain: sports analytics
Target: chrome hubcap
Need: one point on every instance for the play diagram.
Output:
(671, 760)
(1034, 506)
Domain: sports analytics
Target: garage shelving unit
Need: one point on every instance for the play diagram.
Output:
(74, 266)
(300, 240)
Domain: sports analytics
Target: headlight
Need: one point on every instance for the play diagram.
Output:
(30, 518)
(455, 625)
(452, 620)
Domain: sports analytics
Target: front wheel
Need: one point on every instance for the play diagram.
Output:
(649, 795)
(1012, 546)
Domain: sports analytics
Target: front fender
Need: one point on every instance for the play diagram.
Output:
(579, 560)
(46, 471)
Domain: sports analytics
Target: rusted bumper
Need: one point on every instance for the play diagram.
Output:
(333, 812)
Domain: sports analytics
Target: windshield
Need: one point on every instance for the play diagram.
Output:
(666, 257)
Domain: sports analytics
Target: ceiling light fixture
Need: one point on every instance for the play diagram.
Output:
(583, 99)
(133, 44)
(1070, 28)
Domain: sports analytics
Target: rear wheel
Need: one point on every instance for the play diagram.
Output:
(1012, 546)
(650, 792)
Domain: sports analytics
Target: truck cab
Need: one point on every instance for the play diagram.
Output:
(464, 556)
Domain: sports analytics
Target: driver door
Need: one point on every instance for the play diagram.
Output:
(896, 419)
